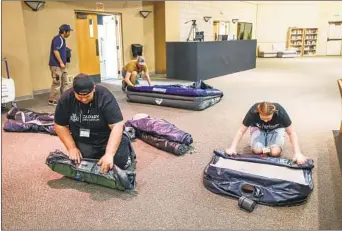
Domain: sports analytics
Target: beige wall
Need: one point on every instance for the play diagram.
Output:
(274, 19)
(159, 36)
(148, 31)
(172, 17)
(14, 47)
(34, 31)
(218, 10)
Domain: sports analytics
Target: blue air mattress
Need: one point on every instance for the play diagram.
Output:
(179, 90)
(197, 96)
(264, 180)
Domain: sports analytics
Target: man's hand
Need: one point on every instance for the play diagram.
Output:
(106, 163)
(62, 65)
(231, 151)
(75, 155)
(299, 158)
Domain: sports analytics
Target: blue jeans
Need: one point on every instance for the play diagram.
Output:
(262, 139)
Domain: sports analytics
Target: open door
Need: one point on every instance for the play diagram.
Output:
(88, 45)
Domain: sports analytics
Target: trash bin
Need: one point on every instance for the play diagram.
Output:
(137, 50)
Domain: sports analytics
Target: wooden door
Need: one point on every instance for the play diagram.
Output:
(87, 44)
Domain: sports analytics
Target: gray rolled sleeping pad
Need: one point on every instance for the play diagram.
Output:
(89, 171)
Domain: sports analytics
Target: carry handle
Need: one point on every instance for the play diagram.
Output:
(7, 71)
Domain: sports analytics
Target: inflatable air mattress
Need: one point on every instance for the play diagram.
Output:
(263, 180)
(24, 120)
(197, 96)
(88, 171)
(160, 134)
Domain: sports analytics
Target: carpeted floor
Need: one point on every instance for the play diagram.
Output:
(170, 193)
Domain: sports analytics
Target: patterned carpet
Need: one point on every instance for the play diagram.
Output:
(170, 192)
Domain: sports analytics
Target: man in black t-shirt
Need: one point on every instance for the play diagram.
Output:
(268, 124)
(89, 122)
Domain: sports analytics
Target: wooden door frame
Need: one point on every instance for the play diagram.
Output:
(108, 13)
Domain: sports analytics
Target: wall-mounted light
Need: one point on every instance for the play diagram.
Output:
(35, 5)
(235, 20)
(145, 13)
(206, 18)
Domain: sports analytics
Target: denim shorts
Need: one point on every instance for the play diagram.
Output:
(123, 74)
(261, 139)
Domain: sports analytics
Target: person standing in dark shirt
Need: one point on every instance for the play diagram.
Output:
(89, 122)
(57, 63)
(268, 122)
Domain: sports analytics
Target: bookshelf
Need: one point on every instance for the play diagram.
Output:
(295, 39)
(310, 41)
(303, 39)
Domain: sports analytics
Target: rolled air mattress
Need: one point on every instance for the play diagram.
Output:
(24, 120)
(264, 180)
(197, 96)
(160, 134)
(88, 171)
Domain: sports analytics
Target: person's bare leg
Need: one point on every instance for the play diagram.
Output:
(133, 77)
(275, 150)
(257, 151)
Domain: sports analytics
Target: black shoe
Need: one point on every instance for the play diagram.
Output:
(124, 85)
(52, 103)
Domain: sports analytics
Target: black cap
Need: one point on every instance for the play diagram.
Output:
(83, 84)
(65, 27)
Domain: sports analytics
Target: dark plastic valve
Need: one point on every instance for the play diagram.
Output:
(246, 204)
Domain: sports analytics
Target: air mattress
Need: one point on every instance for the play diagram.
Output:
(197, 96)
(88, 171)
(265, 180)
(24, 120)
(160, 134)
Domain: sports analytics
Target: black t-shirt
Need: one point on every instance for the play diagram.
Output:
(280, 119)
(88, 123)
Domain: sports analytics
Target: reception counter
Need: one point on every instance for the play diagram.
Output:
(205, 60)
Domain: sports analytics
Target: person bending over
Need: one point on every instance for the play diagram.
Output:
(268, 124)
(89, 122)
(132, 69)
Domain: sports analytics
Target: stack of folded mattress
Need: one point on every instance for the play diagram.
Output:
(197, 96)
(160, 134)
(24, 120)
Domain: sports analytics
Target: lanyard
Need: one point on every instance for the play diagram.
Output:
(81, 112)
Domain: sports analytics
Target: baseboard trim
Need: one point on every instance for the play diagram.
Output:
(42, 91)
(24, 97)
(27, 97)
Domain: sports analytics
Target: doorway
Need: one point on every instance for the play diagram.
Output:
(334, 41)
(99, 45)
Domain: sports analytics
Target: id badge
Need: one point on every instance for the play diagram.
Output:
(84, 132)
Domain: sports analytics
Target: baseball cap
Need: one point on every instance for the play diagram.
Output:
(83, 84)
(65, 27)
(141, 60)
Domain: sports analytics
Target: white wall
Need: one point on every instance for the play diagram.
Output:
(218, 10)
(274, 19)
